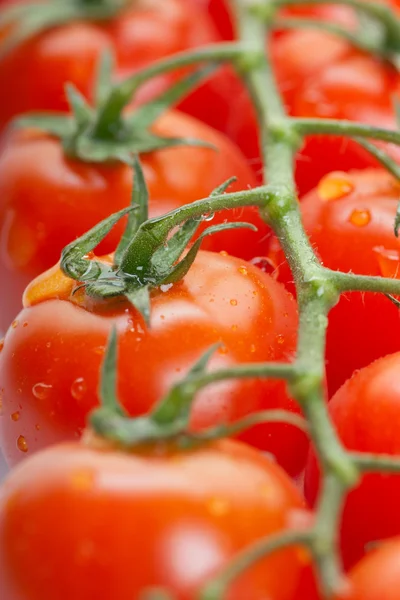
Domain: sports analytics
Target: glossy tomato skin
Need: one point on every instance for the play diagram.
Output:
(377, 576)
(349, 219)
(49, 366)
(365, 413)
(47, 199)
(336, 82)
(138, 36)
(111, 524)
(220, 13)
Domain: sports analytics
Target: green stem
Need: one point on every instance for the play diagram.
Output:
(218, 588)
(349, 282)
(325, 538)
(153, 232)
(305, 126)
(375, 462)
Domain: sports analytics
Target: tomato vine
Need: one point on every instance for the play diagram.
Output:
(318, 288)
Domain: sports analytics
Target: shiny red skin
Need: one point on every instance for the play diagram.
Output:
(93, 524)
(335, 82)
(59, 340)
(365, 412)
(138, 37)
(47, 200)
(362, 326)
(377, 576)
(220, 13)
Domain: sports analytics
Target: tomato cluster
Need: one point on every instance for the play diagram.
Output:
(85, 515)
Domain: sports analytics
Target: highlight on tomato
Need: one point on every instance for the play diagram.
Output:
(365, 413)
(49, 365)
(107, 523)
(350, 220)
(146, 491)
(45, 43)
(62, 173)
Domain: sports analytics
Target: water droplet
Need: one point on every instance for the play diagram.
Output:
(360, 218)
(242, 270)
(388, 261)
(99, 350)
(37, 427)
(280, 339)
(252, 348)
(48, 344)
(14, 324)
(15, 416)
(335, 186)
(1, 344)
(266, 265)
(78, 388)
(223, 253)
(208, 216)
(41, 391)
(222, 350)
(25, 324)
(233, 302)
(22, 444)
(218, 507)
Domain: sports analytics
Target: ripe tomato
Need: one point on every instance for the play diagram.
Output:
(220, 13)
(47, 199)
(377, 576)
(139, 36)
(99, 523)
(49, 366)
(365, 412)
(336, 82)
(350, 221)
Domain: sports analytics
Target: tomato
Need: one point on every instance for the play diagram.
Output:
(350, 220)
(49, 366)
(377, 576)
(138, 36)
(336, 82)
(86, 523)
(365, 412)
(47, 199)
(220, 13)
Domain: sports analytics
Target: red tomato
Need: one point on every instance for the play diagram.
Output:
(47, 200)
(237, 118)
(49, 366)
(365, 412)
(377, 576)
(139, 36)
(335, 82)
(93, 524)
(350, 221)
(220, 13)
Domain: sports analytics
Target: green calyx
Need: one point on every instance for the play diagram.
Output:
(147, 257)
(169, 419)
(31, 19)
(102, 133)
